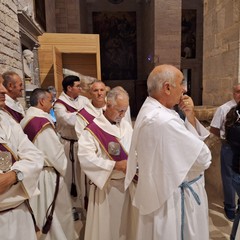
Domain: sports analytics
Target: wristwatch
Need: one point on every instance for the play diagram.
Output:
(19, 176)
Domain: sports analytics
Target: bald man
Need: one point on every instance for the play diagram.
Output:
(18, 177)
(171, 157)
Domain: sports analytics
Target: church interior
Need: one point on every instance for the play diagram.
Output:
(120, 42)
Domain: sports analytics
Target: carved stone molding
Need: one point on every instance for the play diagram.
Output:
(29, 31)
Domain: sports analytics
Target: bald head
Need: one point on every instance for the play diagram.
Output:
(165, 84)
(160, 75)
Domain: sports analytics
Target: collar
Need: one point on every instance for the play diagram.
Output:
(70, 98)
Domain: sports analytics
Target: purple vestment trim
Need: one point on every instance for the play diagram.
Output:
(104, 139)
(4, 147)
(68, 107)
(86, 116)
(35, 126)
(16, 115)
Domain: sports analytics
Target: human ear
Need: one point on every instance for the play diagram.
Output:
(41, 101)
(10, 86)
(166, 88)
(69, 88)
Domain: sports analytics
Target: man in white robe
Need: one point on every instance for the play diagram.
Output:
(171, 157)
(66, 108)
(38, 125)
(26, 162)
(93, 108)
(102, 152)
(14, 85)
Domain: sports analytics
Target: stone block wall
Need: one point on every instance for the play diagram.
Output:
(213, 178)
(220, 50)
(10, 48)
(167, 31)
(68, 16)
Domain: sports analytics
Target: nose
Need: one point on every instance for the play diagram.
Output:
(184, 88)
(122, 114)
(2, 89)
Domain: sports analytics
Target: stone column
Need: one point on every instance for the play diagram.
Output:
(36, 78)
(167, 32)
(220, 50)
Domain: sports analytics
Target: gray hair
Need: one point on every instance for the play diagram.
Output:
(8, 77)
(36, 95)
(160, 75)
(115, 93)
(235, 86)
(86, 82)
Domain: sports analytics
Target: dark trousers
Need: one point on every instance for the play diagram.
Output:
(226, 172)
(236, 185)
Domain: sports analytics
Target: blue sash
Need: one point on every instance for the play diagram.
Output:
(183, 186)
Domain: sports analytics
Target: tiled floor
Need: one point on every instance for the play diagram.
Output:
(219, 226)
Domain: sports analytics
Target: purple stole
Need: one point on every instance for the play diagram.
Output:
(15, 115)
(104, 139)
(35, 126)
(68, 107)
(86, 116)
(5, 148)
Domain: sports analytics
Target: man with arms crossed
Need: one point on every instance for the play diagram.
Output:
(21, 164)
(66, 108)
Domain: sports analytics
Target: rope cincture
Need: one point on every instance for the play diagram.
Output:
(73, 191)
(183, 186)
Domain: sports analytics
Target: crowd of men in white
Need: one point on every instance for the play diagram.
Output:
(145, 183)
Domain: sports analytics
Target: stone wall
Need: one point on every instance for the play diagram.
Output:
(10, 47)
(50, 16)
(220, 50)
(145, 34)
(213, 174)
(68, 16)
(167, 31)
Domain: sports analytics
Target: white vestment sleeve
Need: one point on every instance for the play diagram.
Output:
(97, 168)
(30, 162)
(53, 153)
(200, 131)
(64, 117)
(79, 125)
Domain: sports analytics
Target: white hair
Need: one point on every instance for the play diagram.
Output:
(115, 93)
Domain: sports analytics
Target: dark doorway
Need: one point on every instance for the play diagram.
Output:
(117, 43)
